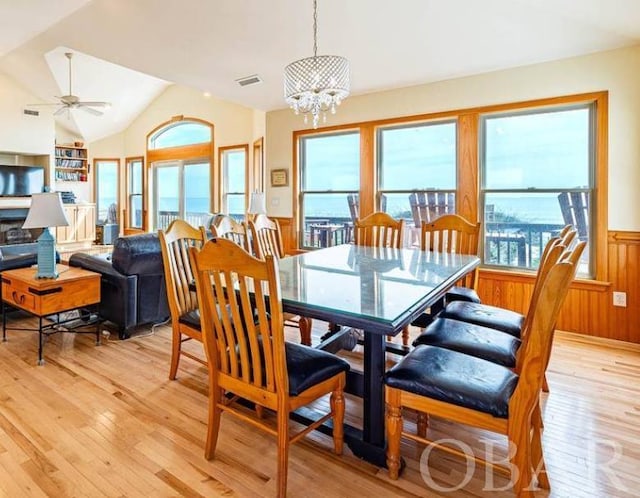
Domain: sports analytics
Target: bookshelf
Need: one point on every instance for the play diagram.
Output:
(71, 164)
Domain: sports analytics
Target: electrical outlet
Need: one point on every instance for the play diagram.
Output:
(620, 299)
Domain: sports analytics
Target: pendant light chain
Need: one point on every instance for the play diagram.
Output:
(317, 84)
(315, 28)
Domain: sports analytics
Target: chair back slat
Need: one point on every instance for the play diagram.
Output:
(354, 206)
(453, 234)
(175, 243)
(428, 206)
(266, 237)
(379, 230)
(242, 323)
(575, 211)
(225, 226)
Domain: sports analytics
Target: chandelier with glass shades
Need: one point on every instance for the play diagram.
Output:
(316, 84)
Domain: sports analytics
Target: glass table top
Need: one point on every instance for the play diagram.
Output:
(379, 284)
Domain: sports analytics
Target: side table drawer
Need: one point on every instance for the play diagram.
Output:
(19, 298)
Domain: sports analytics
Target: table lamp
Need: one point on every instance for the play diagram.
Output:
(46, 211)
(257, 204)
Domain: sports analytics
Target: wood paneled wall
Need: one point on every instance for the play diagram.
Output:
(589, 306)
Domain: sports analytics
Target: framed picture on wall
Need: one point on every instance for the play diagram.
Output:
(279, 178)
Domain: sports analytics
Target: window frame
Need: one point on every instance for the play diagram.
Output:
(467, 196)
(589, 190)
(379, 130)
(300, 178)
(128, 228)
(96, 186)
(204, 151)
(223, 176)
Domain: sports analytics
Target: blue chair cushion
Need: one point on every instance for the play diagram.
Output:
(468, 338)
(462, 294)
(486, 316)
(455, 378)
(308, 366)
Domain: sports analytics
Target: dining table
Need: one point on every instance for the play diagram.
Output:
(377, 291)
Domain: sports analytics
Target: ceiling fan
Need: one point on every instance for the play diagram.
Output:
(70, 101)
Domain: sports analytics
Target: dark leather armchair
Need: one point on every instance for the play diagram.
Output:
(133, 291)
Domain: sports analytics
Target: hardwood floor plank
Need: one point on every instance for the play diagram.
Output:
(106, 421)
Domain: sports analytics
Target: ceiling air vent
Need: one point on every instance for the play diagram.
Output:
(29, 112)
(249, 80)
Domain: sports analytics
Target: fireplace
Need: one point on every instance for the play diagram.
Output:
(11, 231)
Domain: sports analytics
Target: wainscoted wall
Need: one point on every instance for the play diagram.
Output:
(588, 308)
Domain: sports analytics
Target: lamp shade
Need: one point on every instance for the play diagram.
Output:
(257, 203)
(46, 211)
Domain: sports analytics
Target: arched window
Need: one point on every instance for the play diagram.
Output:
(179, 134)
(178, 173)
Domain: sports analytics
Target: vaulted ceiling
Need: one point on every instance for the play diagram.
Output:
(129, 50)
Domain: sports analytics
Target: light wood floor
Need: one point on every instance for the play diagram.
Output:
(106, 421)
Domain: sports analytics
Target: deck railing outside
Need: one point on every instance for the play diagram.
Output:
(506, 244)
(193, 218)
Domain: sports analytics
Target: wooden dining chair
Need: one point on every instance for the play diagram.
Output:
(379, 230)
(482, 394)
(183, 303)
(266, 239)
(227, 227)
(454, 234)
(247, 354)
(495, 317)
(490, 344)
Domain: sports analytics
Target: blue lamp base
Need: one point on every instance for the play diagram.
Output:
(46, 255)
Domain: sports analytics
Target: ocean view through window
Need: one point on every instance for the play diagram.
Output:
(532, 165)
(330, 172)
(523, 169)
(234, 166)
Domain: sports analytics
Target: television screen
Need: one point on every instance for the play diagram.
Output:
(21, 181)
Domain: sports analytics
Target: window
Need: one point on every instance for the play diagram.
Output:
(179, 134)
(234, 162)
(417, 172)
(135, 179)
(181, 192)
(537, 174)
(329, 174)
(106, 186)
(180, 153)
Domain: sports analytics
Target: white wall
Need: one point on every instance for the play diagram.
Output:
(617, 71)
(234, 124)
(21, 134)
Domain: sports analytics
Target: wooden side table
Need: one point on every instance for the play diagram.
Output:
(74, 289)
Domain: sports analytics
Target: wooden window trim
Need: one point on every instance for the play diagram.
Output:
(467, 197)
(127, 182)
(97, 160)
(221, 178)
(182, 153)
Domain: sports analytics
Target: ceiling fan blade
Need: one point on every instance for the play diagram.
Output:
(94, 104)
(60, 111)
(35, 105)
(90, 110)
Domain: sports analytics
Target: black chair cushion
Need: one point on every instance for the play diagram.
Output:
(486, 316)
(308, 366)
(455, 378)
(191, 318)
(468, 338)
(462, 294)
